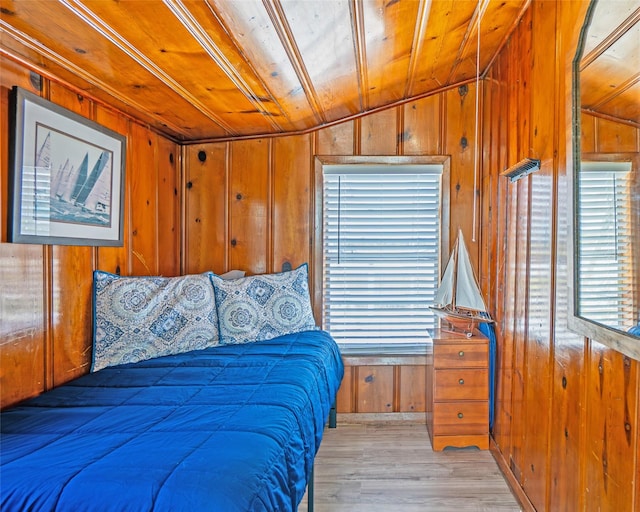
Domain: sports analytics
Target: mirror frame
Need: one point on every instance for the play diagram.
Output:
(613, 338)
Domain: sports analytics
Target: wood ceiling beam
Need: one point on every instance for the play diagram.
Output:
(58, 60)
(357, 27)
(272, 98)
(417, 44)
(611, 39)
(184, 16)
(276, 14)
(91, 19)
(617, 91)
(472, 27)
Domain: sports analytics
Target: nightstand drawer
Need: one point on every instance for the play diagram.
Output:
(460, 418)
(457, 355)
(461, 384)
(458, 391)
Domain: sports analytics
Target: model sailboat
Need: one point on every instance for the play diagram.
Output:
(458, 299)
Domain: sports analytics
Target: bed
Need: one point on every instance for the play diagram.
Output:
(229, 427)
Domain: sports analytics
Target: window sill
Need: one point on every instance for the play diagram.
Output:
(390, 349)
(405, 354)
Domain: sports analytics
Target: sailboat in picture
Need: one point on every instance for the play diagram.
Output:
(458, 299)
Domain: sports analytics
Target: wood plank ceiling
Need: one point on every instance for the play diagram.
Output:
(610, 64)
(200, 70)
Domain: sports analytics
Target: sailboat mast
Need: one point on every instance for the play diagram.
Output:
(455, 274)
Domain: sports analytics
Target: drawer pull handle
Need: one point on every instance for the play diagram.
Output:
(460, 415)
(461, 353)
(461, 382)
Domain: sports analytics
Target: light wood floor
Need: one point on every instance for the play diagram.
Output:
(391, 467)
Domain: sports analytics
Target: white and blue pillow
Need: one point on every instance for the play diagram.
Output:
(262, 307)
(138, 318)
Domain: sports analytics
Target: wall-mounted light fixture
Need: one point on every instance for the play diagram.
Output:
(521, 169)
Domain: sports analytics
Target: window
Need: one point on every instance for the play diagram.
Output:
(381, 253)
(605, 249)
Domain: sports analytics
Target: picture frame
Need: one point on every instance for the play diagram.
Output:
(66, 180)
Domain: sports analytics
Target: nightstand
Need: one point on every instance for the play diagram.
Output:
(458, 391)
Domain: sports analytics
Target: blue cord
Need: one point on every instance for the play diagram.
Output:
(489, 331)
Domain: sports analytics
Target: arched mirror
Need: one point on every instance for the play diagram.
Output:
(606, 178)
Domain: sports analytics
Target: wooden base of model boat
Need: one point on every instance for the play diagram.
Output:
(464, 323)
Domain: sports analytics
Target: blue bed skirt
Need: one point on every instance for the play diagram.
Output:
(230, 428)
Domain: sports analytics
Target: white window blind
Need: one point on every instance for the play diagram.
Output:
(605, 263)
(381, 231)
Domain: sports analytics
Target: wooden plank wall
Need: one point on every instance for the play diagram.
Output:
(567, 415)
(45, 291)
(250, 205)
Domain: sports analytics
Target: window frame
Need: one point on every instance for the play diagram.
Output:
(317, 248)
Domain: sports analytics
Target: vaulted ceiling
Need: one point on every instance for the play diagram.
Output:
(215, 69)
(610, 63)
(201, 70)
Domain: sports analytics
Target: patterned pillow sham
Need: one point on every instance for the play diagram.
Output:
(137, 318)
(262, 307)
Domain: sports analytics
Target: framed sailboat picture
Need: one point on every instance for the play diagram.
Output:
(67, 179)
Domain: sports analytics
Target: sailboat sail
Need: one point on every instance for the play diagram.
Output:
(444, 295)
(467, 292)
(99, 199)
(58, 178)
(93, 177)
(81, 178)
(43, 158)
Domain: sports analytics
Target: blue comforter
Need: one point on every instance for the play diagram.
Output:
(230, 428)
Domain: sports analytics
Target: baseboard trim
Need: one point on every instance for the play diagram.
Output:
(510, 478)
